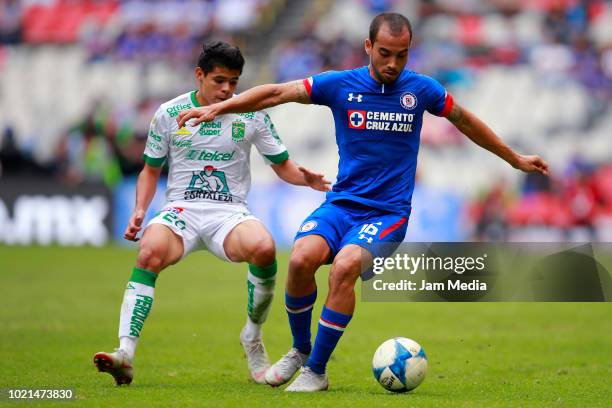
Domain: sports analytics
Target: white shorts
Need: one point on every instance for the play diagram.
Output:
(203, 226)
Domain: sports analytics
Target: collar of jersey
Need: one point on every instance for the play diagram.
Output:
(377, 86)
(194, 100)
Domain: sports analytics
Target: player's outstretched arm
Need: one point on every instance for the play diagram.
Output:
(255, 99)
(290, 172)
(145, 190)
(482, 135)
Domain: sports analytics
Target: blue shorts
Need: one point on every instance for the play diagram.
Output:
(344, 222)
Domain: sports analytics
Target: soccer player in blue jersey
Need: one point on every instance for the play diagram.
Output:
(378, 112)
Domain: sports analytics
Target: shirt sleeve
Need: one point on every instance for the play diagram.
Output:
(156, 149)
(322, 87)
(267, 141)
(440, 101)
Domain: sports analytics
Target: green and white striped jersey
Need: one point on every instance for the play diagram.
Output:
(210, 161)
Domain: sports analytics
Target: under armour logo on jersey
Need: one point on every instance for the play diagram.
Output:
(368, 239)
(352, 96)
(369, 229)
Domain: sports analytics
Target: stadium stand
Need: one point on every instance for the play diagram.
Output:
(538, 71)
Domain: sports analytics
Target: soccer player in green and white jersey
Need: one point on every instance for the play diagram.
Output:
(209, 178)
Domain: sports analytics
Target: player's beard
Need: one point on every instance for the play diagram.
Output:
(379, 77)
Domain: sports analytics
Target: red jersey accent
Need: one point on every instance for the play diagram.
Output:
(448, 105)
(308, 85)
(392, 228)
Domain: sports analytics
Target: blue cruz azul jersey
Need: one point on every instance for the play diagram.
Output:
(378, 130)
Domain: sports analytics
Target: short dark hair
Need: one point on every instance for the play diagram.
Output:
(396, 23)
(219, 53)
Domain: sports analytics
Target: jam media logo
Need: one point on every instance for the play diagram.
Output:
(356, 119)
(408, 100)
(308, 226)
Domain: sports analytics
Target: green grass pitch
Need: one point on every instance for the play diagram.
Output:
(61, 305)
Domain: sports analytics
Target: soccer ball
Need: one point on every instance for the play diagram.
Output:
(399, 364)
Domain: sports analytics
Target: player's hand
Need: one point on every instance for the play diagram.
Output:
(316, 181)
(196, 115)
(134, 225)
(532, 164)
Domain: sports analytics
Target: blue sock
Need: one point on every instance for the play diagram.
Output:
(299, 311)
(331, 327)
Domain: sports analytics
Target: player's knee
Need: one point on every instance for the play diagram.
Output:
(344, 274)
(150, 259)
(302, 263)
(341, 282)
(263, 252)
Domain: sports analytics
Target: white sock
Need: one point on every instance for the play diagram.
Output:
(260, 288)
(137, 304)
(252, 331)
(128, 344)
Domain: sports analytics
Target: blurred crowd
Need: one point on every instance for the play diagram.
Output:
(107, 143)
(580, 199)
(454, 41)
(129, 30)
(105, 146)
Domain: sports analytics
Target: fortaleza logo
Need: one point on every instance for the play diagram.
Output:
(387, 121)
(209, 184)
(174, 110)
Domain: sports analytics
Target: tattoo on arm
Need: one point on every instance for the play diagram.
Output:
(457, 116)
(301, 95)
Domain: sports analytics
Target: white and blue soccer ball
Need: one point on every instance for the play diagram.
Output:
(399, 364)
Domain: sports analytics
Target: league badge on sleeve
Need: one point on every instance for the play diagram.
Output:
(308, 226)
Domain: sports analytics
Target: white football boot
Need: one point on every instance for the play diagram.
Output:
(286, 367)
(308, 381)
(117, 364)
(257, 358)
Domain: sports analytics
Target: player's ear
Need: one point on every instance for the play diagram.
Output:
(368, 46)
(199, 74)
